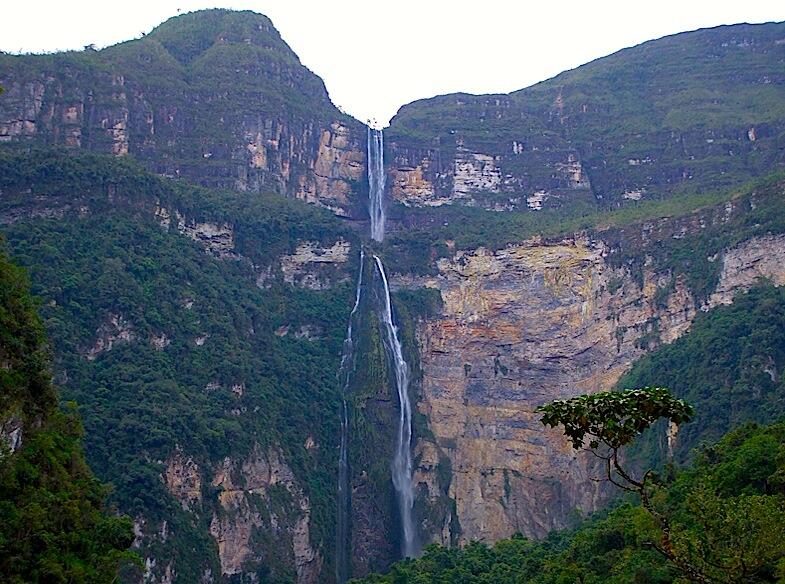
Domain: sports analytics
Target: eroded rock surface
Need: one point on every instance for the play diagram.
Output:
(116, 329)
(241, 487)
(183, 479)
(11, 430)
(217, 239)
(520, 327)
(339, 162)
(315, 267)
(746, 264)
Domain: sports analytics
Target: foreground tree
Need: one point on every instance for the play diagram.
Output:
(711, 539)
(53, 525)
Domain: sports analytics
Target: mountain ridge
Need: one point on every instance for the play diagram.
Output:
(216, 97)
(719, 27)
(639, 124)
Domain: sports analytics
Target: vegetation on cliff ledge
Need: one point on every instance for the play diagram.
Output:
(164, 345)
(729, 366)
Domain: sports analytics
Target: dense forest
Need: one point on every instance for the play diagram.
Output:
(56, 526)
(728, 366)
(199, 358)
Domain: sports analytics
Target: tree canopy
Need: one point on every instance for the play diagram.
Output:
(54, 525)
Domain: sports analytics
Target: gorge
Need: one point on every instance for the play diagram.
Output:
(304, 348)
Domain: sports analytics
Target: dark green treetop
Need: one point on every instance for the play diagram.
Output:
(614, 418)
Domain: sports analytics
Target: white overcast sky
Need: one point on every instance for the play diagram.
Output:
(376, 55)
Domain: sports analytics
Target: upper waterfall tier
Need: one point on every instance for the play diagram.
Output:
(376, 182)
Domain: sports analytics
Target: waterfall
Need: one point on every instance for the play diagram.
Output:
(376, 180)
(344, 496)
(402, 462)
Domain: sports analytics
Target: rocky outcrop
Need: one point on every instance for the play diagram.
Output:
(242, 520)
(315, 267)
(116, 329)
(160, 342)
(497, 177)
(533, 322)
(309, 332)
(217, 239)
(183, 479)
(339, 163)
(745, 264)
(11, 433)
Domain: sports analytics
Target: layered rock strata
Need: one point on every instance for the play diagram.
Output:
(533, 322)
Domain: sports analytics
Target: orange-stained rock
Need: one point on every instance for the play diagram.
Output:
(520, 327)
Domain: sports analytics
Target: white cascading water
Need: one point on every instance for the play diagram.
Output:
(376, 180)
(344, 499)
(402, 462)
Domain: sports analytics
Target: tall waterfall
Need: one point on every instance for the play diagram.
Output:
(344, 498)
(376, 180)
(402, 462)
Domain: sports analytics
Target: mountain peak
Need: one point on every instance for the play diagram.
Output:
(187, 36)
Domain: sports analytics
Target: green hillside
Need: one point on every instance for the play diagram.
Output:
(85, 228)
(199, 329)
(186, 99)
(55, 525)
(728, 366)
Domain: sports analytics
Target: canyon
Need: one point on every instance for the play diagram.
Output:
(480, 333)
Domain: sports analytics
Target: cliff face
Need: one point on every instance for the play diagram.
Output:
(548, 318)
(241, 521)
(215, 96)
(638, 124)
(542, 320)
(517, 162)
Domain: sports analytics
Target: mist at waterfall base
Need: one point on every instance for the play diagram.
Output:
(401, 467)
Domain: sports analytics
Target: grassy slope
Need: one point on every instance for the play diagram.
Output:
(212, 52)
(682, 104)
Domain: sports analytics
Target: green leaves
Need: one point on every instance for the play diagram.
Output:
(728, 366)
(732, 539)
(244, 385)
(733, 533)
(54, 527)
(614, 418)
